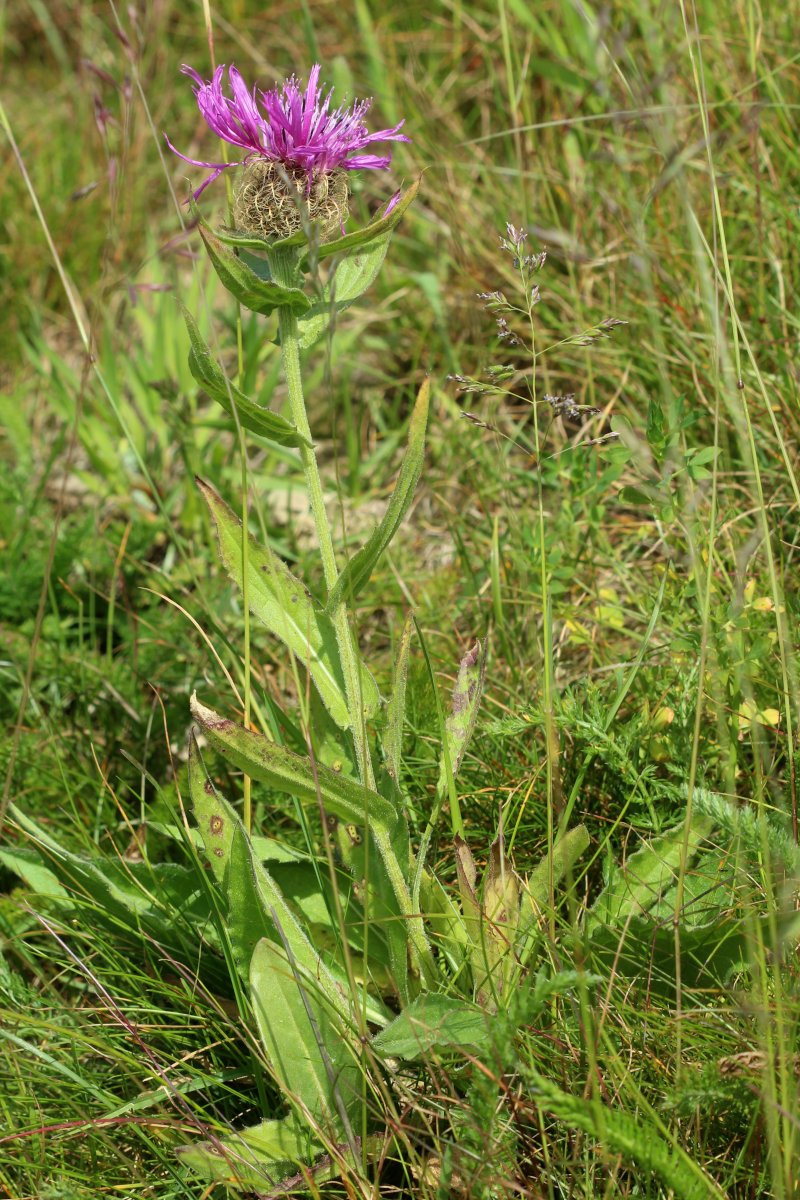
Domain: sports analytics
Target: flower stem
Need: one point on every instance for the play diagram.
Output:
(283, 269)
(352, 680)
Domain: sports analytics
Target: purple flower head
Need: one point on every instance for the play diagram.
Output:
(288, 126)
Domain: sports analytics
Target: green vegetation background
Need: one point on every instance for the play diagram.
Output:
(653, 152)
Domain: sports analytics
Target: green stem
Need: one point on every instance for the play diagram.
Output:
(290, 351)
(283, 267)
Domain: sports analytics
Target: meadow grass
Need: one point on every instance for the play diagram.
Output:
(637, 587)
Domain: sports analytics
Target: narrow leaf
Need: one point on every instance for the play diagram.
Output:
(308, 1056)
(466, 874)
(215, 819)
(536, 893)
(357, 572)
(289, 772)
(368, 864)
(279, 599)
(361, 237)
(651, 871)
(433, 1022)
(254, 1159)
(162, 900)
(252, 416)
(356, 272)
(255, 902)
(257, 294)
(396, 708)
(239, 239)
(464, 708)
(446, 922)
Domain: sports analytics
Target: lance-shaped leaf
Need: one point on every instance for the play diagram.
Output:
(368, 863)
(361, 565)
(434, 1022)
(554, 866)
(501, 906)
(279, 599)
(536, 891)
(289, 772)
(215, 819)
(491, 925)
(396, 708)
(241, 239)
(652, 870)
(445, 920)
(250, 289)
(367, 234)
(356, 272)
(252, 416)
(311, 1061)
(138, 899)
(465, 701)
(467, 874)
(361, 258)
(256, 903)
(254, 1159)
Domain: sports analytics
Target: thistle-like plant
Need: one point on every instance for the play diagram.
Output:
(399, 967)
(288, 214)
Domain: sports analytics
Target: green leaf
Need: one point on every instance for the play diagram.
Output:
(545, 987)
(566, 852)
(656, 431)
(254, 1159)
(464, 708)
(356, 272)
(446, 922)
(27, 864)
(281, 602)
(434, 1022)
(649, 873)
(215, 819)
(363, 253)
(368, 864)
(396, 708)
(310, 1060)
(256, 906)
(467, 875)
(257, 1158)
(631, 1135)
(362, 237)
(252, 416)
(706, 455)
(239, 239)
(643, 950)
(634, 495)
(250, 289)
(163, 900)
(288, 772)
(358, 570)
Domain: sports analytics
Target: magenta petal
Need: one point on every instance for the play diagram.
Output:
(197, 193)
(393, 203)
(245, 108)
(288, 125)
(196, 162)
(366, 162)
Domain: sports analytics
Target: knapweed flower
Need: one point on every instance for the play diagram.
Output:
(297, 151)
